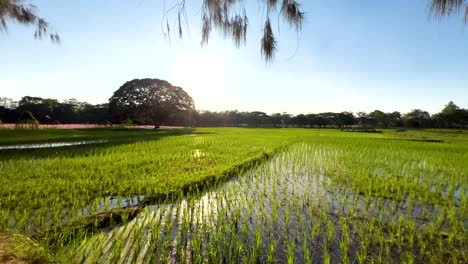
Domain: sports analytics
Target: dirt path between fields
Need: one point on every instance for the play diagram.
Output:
(5, 251)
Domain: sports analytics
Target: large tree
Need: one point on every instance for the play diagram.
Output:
(450, 114)
(417, 119)
(149, 100)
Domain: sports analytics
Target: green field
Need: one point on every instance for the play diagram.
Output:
(229, 195)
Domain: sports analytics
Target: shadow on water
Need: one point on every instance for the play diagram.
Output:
(51, 145)
(408, 139)
(426, 140)
(85, 145)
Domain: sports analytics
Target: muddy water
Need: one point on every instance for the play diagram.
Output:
(110, 203)
(51, 145)
(286, 208)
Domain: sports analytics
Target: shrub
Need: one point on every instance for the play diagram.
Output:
(127, 122)
(27, 120)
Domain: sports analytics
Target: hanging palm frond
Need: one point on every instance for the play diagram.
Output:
(292, 12)
(268, 42)
(16, 11)
(271, 4)
(443, 8)
(229, 17)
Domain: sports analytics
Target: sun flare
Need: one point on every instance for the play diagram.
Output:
(202, 76)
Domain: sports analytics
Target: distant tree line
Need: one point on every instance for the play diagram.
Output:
(451, 116)
(72, 111)
(51, 111)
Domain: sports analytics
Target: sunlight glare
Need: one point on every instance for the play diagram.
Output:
(202, 76)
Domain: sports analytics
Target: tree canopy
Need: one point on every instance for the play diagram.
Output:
(149, 100)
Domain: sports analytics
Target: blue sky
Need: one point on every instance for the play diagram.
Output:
(351, 56)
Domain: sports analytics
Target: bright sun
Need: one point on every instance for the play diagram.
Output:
(202, 76)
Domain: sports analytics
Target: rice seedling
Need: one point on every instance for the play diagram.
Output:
(275, 196)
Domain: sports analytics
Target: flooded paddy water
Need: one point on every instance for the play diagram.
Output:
(51, 144)
(290, 209)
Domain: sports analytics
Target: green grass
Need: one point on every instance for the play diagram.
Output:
(27, 136)
(414, 168)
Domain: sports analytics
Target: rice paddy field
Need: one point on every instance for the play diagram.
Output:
(234, 195)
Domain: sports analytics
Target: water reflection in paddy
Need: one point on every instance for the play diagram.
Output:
(51, 144)
(287, 208)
